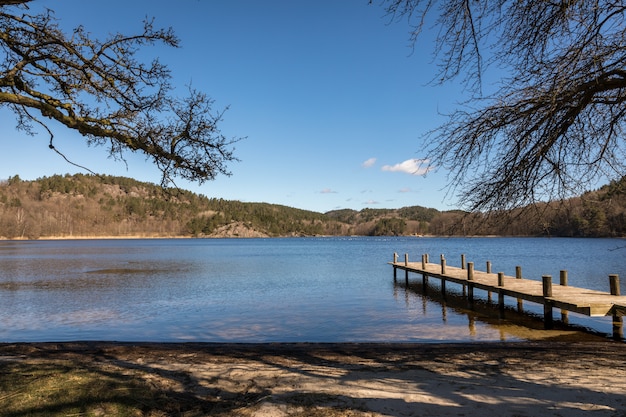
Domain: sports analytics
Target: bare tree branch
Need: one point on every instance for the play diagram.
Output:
(556, 124)
(101, 90)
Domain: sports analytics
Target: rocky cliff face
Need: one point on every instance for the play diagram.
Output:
(237, 229)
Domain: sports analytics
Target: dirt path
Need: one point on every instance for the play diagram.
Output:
(483, 379)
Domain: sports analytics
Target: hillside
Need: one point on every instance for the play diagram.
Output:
(79, 205)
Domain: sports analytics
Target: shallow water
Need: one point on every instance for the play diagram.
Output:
(281, 290)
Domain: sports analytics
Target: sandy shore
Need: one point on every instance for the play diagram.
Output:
(482, 379)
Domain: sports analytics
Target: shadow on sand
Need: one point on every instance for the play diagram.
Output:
(505, 379)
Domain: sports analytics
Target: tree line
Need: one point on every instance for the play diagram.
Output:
(67, 206)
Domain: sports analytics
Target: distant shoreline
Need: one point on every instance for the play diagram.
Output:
(137, 237)
(95, 238)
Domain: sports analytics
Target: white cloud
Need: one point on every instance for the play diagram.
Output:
(405, 190)
(370, 203)
(410, 166)
(328, 191)
(369, 163)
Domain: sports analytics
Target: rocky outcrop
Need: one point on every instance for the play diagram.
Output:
(236, 229)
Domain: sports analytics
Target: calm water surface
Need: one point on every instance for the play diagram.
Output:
(282, 290)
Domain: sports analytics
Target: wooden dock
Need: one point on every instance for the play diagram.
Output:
(562, 296)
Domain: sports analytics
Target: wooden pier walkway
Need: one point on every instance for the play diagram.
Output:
(562, 296)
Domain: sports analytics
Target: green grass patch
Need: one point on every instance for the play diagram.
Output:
(60, 389)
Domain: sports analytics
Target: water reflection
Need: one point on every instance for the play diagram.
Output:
(513, 322)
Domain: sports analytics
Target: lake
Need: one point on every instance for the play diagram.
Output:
(335, 289)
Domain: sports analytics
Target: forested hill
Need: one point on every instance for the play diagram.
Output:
(104, 206)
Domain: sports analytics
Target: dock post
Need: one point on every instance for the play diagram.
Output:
(426, 255)
(443, 278)
(406, 270)
(563, 282)
(488, 270)
(423, 261)
(618, 325)
(424, 276)
(547, 285)
(395, 269)
(518, 275)
(463, 267)
(470, 285)
(547, 304)
(500, 290)
(614, 283)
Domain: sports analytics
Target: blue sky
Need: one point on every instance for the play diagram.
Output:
(330, 96)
